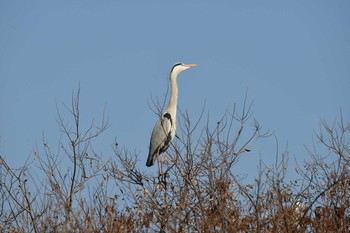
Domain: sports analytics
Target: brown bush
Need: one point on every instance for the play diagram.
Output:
(199, 191)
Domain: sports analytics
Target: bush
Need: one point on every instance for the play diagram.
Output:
(198, 192)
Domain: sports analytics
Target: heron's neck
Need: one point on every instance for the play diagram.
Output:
(173, 98)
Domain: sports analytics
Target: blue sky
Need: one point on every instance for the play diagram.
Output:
(293, 57)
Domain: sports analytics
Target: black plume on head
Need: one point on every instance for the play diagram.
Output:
(176, 64)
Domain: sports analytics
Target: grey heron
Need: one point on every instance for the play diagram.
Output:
(164, 131)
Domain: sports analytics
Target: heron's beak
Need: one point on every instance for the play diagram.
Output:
(190, 65)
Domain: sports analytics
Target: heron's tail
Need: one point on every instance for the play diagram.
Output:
(150, 160)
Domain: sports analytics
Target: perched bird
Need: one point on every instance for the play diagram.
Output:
(164, 130)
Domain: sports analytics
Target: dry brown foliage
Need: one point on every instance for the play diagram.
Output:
(199, 191)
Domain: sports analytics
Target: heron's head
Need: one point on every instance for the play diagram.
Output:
(179, 67)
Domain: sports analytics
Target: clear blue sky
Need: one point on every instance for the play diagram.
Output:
(293, 57)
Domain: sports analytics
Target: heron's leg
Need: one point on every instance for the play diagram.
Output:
(161, 159)
(159, 164)
(162, 162)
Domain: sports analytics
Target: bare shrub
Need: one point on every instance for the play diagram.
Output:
(72, 189)
(49, 199)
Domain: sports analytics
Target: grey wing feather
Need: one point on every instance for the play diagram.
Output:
(159, 139)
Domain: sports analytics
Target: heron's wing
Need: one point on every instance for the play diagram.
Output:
(160, 138)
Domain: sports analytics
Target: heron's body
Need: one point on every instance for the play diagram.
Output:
(162, 135)
(164, 131)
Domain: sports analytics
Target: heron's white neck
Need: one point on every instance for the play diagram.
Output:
(173, 98)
